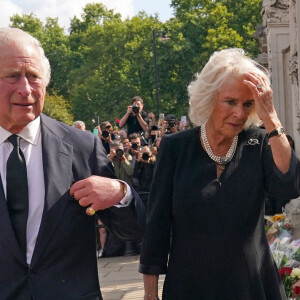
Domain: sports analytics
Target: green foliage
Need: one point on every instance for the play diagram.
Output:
(58, 108)
(105, 60)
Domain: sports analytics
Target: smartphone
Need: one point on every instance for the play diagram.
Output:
(161, 116)
(183, 120)
(95, 131)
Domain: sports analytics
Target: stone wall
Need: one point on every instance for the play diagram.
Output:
(281, 19)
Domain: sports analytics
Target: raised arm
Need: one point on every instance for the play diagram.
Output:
(263, 97)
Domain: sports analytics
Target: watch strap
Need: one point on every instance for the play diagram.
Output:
(278, 131)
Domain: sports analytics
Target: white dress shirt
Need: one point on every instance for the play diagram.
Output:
(31, 146)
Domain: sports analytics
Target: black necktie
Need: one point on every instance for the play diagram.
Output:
(17, 191)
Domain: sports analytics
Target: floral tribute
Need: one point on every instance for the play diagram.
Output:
(285, 251)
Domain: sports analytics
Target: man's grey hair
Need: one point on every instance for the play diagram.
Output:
(116, 144)
(10, 36)
(80, 123)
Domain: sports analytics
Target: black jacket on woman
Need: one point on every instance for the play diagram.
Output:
(219, 248)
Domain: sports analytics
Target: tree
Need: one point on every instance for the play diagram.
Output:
(105, 60)
(58, 108)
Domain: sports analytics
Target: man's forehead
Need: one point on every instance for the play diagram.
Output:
(14, 56)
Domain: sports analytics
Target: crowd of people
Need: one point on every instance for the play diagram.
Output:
(132, 146)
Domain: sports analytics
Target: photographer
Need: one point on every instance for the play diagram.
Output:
(169, 125)
(121, 161)
(136, 119)
(143, 171)
(152, 134)
(106, 135)
(135, 140)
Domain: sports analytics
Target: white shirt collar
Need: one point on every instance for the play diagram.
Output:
(30, 133)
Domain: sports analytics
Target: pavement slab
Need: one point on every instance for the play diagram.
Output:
(120, 280)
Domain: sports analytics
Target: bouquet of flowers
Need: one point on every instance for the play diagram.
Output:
(290, 276)
(278, 224)
(285, 251)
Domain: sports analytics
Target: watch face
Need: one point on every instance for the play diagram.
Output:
(280, 131)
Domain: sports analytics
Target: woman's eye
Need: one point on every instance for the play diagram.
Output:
(248, 104)
(231, 102)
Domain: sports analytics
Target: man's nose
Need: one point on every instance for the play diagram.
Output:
(24, 87)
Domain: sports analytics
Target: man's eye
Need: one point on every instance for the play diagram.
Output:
(33, 77)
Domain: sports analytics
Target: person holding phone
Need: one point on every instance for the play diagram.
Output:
(136, 119)
(205, 214)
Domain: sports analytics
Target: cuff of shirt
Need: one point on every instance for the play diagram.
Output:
(127, 198)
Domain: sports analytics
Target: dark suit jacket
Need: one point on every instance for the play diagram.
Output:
(63, 265)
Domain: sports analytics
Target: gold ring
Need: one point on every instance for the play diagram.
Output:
(91, 211)
(259, 86)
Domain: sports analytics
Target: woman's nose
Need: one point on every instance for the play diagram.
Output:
(239, 112)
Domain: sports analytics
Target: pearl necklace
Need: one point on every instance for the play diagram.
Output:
(220, 160)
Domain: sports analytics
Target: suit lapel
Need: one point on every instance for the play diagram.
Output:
(57, 164)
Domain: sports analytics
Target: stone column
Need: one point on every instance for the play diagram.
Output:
(280, 20)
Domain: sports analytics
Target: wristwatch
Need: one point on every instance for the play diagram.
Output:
(278, 131)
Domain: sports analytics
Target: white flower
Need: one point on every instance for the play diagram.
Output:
(295, 273)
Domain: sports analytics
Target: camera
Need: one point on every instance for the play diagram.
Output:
(119, 152)
(105, 134)
(134, 146)
(145, 156)
(172, 123)
(135, 108)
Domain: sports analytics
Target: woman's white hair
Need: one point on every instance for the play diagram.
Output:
(221, 66)
(17, 36)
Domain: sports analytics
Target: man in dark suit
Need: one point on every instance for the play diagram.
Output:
(68, 179)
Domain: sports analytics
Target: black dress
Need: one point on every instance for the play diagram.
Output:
(218, 249)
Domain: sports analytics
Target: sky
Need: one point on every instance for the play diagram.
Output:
(64, 10)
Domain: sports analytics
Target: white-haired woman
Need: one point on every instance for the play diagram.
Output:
(209, 186)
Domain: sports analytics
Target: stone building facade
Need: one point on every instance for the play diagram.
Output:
(281, 20)
(280, 47)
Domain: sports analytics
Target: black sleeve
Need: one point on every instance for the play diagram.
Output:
(126, 223)
(279, 185)
(156, 244)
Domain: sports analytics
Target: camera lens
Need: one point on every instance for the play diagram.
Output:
(105, 133)
(119, 152)
(135, 108)
(172, 124)
(145, 156)
(134, 146)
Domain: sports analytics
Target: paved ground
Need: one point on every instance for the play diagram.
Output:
(120, 280)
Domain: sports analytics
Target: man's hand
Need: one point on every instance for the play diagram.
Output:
(129, 110)
(97, 192)
(139, 157)
(112, 154)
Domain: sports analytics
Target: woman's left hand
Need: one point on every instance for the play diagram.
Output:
(263, 97)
